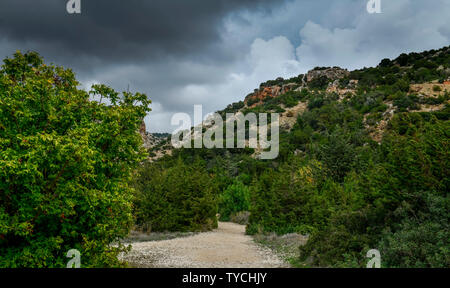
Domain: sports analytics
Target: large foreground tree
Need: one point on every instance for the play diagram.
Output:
(65, 165)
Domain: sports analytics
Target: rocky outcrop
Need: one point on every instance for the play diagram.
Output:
(335, 87)
(149, 139)
(146, 138)
(268, 90)
(262, 93)
(332, 74)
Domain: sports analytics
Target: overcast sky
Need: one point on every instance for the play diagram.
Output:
(215, 52)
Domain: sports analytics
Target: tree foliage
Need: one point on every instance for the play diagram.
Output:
(236, 198)
(177, 198)
(333, 182)
(65, 164)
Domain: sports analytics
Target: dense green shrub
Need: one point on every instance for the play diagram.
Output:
(65, 163)
(236, 198)
(337, 184)
(287, 200)
(385, 62)
(252, 101)
(404, 102)
(352, 194)
(338, 155)
(180, 197)
(316, 102)
(422, 238)
(437, 88)
(369, 102)
(403, 204)
(320, 83)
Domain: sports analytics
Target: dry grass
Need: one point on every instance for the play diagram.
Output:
(285, 246)
(137, 236)
(429, 89)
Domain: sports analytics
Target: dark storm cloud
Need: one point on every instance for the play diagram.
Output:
(214, 52)
(120, 30)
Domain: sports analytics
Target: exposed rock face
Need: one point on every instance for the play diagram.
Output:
(274, 91)
(288, 87)
(263, 92)
(259, 95)
(149, 140)
(333, 74)
(334, 87)
(146, 137)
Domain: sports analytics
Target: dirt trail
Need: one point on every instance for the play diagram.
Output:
(225, 247)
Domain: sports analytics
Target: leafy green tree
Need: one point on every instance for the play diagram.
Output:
(236, 198)
(180, 197)
(385, 62)
(402, 204)
(65, 162)
(422, 238)
(338, 155)
(319, 83)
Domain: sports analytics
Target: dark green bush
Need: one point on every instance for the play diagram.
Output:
(422, 238)
(402, 208)
(406, 102)
(180, 197)
(236, 198)
(320, 83)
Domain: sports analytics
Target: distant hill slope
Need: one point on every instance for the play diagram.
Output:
(411, 82)
(363, 164)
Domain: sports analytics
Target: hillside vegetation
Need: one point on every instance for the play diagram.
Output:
(363, 165)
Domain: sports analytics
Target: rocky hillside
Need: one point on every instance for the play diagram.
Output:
(158, 144)
(427, 91)
(314, 78)
(363, 163)
(412, 82)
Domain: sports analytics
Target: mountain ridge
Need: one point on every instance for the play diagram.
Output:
(284, 95)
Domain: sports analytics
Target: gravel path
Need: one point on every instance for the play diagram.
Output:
(225, 247)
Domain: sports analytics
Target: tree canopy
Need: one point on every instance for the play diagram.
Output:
(65, 165)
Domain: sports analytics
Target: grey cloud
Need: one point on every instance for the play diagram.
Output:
(120, 30)
(214, 52)
(404, 26)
